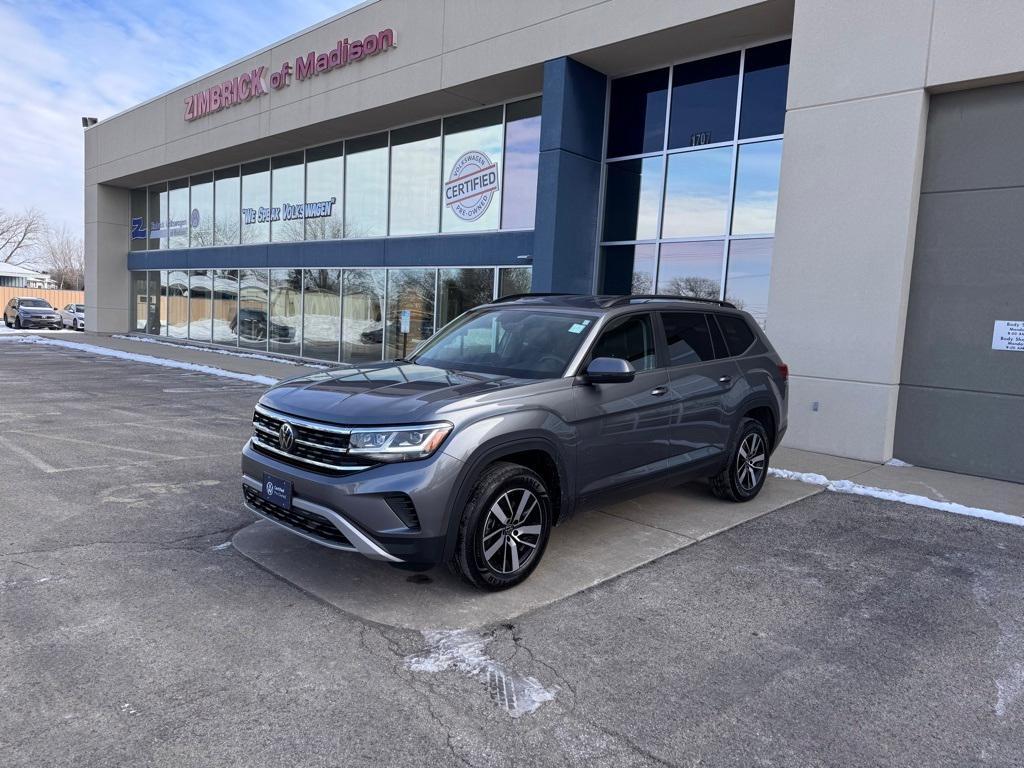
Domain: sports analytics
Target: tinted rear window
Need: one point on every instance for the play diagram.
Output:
(738, 336)
(688, 337)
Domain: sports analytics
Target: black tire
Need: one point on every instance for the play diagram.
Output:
(17, 322)
(7, 322)
(494, 566)
(744, 475)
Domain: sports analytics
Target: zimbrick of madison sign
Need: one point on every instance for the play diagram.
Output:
(258, 82)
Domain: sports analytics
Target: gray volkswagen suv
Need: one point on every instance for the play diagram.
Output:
(510, 419)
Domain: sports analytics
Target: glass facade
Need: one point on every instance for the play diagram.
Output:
(693, 155)
(482, 164)
(351, 315)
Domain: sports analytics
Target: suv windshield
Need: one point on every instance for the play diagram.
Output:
(34, 303)
(508, 342)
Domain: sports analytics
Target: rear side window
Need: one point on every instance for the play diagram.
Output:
(632, 340)
(738, 336)
(688, 337)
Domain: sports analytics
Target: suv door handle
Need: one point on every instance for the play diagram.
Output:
(659, 391)
(726, 380)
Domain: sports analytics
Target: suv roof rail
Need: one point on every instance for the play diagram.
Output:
(620, 300)
(515, 296)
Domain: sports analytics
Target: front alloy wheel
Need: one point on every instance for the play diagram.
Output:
(504, 528)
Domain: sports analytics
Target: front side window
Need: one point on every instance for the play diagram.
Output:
(632, 340)
(508, 342)
(687, 337)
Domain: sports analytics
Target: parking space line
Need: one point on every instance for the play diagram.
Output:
(94, 444)
(32, 459)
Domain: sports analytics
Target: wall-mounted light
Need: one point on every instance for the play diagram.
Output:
(89, 121)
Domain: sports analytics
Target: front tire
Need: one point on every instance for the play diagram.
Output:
(7, 322)
(504, 529)
(17, 322)
(744, 475)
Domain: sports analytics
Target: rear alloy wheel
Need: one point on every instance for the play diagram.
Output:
(504, 528)
(744, 475)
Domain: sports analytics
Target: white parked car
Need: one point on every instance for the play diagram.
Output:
(73, 316)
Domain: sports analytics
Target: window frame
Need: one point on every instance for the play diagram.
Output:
(611, 323)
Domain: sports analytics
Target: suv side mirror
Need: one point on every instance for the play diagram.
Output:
(610, 370)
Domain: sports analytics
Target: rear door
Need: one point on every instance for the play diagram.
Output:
(623, 427)
(700, 385)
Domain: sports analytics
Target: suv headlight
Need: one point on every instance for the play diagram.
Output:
(398, 443)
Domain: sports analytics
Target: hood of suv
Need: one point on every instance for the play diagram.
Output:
(384, 393)
(36, 311)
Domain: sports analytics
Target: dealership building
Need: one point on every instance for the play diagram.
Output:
(850, 173)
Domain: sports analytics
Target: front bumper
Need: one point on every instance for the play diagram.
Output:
(39, 322)
(352, 512)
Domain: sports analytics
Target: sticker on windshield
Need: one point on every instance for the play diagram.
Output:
(577, 327)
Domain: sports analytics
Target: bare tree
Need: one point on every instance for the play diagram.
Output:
(18, 234)
(62, 255)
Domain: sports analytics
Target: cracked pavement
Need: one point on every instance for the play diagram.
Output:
(838, 631)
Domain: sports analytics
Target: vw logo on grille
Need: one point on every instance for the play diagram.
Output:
(286, 437)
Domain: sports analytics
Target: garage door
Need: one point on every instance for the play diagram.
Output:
(961, 403)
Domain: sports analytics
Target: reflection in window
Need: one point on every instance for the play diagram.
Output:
(765, 76)
(704, 101)
(177, 304)
(412, 291)
(153, 315)
(750, 267)
(325, 188)
(462, 289)
(633, 199)
(415, 179)
(321, 311)
(139, 301)
(757, 188)
(227, 203)
(522, 153)
(285, 329)
(177, 214)
(225, 306)
(628, 268)
(362, 326)
(201, 213)
(366, 186)
(697, 193)
(251, 322)
(200, 313)
(636, 117)
(472, 162)
(157, 217)
(691, 269)
(288, 197)
(256, 202)
(513, 280)
(137, 211)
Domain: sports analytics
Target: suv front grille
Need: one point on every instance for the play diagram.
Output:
(310, 522)
(318, 448)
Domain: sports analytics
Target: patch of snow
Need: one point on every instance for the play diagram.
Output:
(897, 463)
(232, 353)
(464, 652)
(220, 547)
(848, 486)
(107, 352)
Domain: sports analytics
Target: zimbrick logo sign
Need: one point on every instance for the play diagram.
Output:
(256, 82)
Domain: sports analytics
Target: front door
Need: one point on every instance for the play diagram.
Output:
(623, 427)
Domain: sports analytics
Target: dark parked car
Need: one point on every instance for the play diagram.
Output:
(511, 418)
(251, 325)
(30, 312)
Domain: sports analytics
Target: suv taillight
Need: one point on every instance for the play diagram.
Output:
(784, 371)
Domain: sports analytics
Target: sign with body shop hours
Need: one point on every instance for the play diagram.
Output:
(1008, 335)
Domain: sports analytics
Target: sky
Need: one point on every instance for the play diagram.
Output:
(60, 61)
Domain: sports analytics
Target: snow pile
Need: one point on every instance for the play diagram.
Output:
(850, 487)
(465, 652)
(897, 463)
(107, 352)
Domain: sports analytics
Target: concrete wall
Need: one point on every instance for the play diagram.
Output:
(961, 403)
(849, 192)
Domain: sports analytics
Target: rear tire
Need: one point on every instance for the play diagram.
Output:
(504, 528)
(744, 475)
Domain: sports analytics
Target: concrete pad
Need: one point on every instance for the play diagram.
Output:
(971, 491)
(690, 510)
(832, 467)
(589, 549)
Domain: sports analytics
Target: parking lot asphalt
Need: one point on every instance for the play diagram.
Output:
(839, 630)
